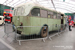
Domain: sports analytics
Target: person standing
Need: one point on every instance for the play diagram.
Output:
(69, 21)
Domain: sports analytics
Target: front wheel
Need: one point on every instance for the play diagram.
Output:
(44, 31)
(1, 24)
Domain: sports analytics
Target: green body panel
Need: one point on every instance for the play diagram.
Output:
(26, 22)
(44, 21)
(64, 20)
(35, 21)
(50, 23)
(19, 21)
(14, 19)
(53, 23)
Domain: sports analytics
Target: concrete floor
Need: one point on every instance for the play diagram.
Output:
(65, 41)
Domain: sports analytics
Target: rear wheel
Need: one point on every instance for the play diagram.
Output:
(44, 31)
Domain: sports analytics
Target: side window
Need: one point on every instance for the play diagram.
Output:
(22, 11)
(50, 14)
(55, 15)
(19, 11)
(44, 13)
(35, 12)
(15, 12)
(0, 18)
(58, 16)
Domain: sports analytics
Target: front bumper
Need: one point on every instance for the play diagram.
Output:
(15, 29)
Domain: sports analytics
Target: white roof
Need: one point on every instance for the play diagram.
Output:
(35, 4)
(64, 6)
(2, 16)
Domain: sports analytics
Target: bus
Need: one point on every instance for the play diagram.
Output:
(8, 14)
(32, 14)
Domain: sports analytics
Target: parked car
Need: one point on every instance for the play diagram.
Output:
(1, 20)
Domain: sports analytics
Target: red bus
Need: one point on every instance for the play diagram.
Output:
(8, 14)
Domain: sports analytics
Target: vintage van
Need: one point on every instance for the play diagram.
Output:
(1, 20)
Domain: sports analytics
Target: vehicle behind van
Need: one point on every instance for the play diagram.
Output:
(1, 20)
(8, 14)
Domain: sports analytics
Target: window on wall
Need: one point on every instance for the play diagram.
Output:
(50, 14)
(22, 11)
(19, 11)
(35, 12)
(58, 16)
(0, 18)
(15, 12)
(43, 13)
(55, 15)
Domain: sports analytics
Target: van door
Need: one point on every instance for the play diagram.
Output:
(61, 19)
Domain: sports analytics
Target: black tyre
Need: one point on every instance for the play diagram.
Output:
(44, 31)
(1, 24)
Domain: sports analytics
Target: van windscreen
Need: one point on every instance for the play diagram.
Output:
(6, 14)
(0, 18)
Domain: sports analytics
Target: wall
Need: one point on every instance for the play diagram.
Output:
(71, 14)
(2, 7)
